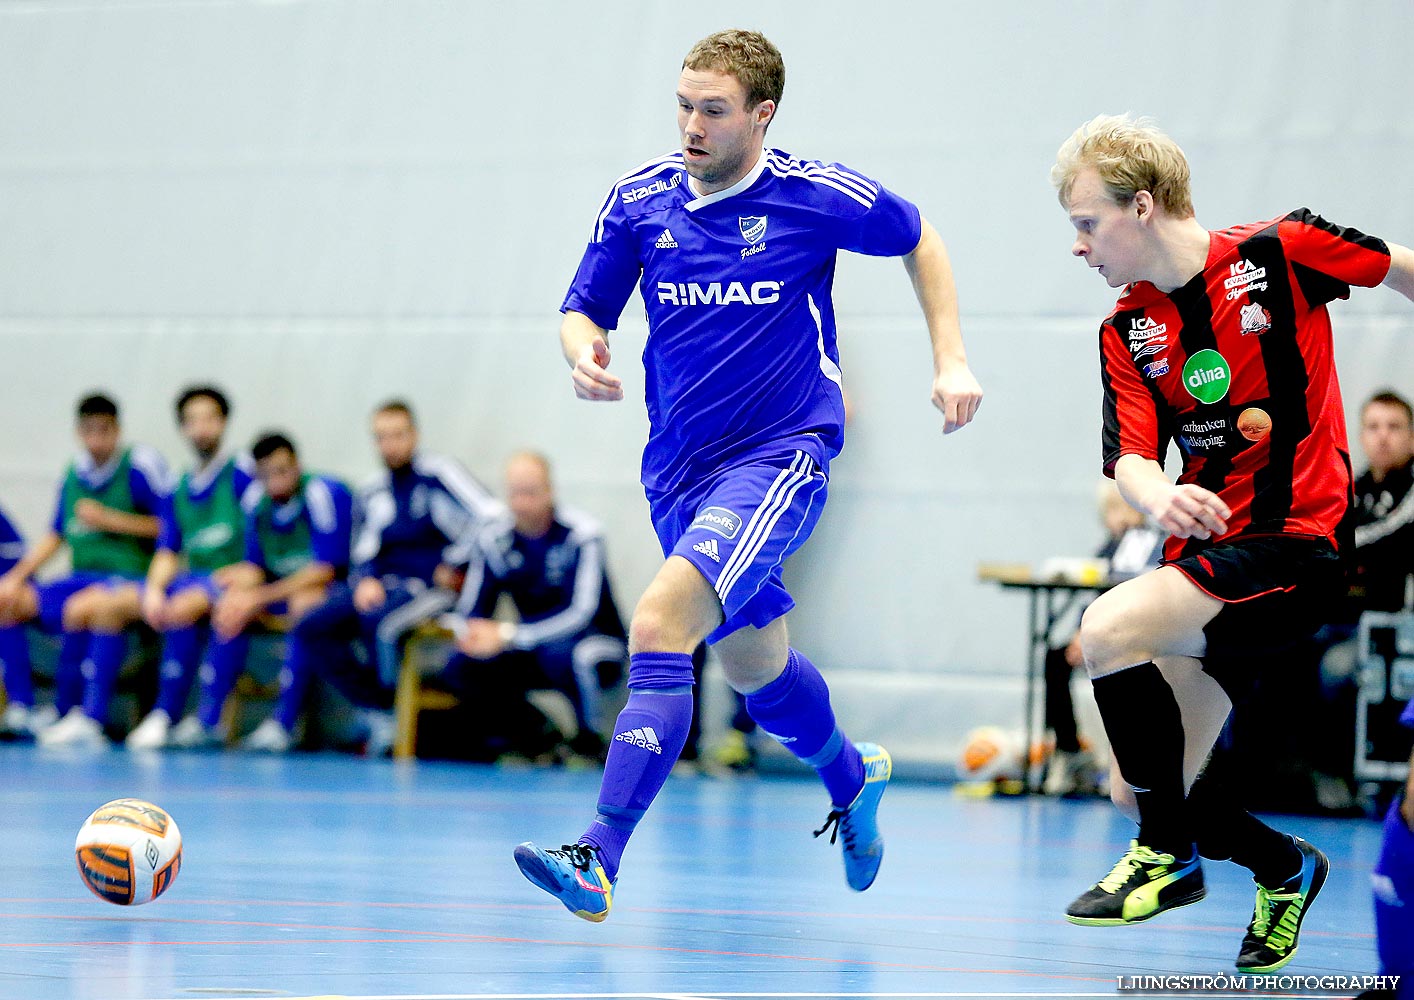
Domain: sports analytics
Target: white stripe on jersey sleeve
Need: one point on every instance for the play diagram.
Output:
(153, 467)
(641, 172)
(320, 501)
(857, 181)
(828, 178)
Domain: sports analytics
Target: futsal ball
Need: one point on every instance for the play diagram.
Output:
(1254, 423)
(129, 852)
(990, 753)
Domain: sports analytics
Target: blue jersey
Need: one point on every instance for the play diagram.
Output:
(149, 481)
(198, 485)
(12, 543)
(558, 581)
(741, 356)
(312, 526)
(408, 518)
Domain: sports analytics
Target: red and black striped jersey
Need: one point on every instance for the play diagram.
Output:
(1236, 367)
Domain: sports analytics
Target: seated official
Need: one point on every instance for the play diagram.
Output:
(107, 514)
(550, 561)
(405, 523)
(297, 546)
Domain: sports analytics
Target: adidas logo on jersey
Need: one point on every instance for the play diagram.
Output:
(708, 549)
(645, 738)
(666, 241)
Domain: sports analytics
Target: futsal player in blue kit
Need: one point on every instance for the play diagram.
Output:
(1393, 882)
(733, 248)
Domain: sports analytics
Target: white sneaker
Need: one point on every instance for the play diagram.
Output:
(151, 732)
(192, 734)
(14, 723)
(382, 731)
(269, 737)
(74, 730)
(42, 718)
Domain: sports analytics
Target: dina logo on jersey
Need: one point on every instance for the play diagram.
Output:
(1207, 376)
(718, 519)
(753, 228)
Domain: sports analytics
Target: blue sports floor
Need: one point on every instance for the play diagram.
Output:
(322, 875)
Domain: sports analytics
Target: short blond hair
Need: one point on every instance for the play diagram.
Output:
(1130, 155)
(747, 55)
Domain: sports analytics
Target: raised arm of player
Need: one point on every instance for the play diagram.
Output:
(955, 391)
(1401, 270)
(586, 347)
(1185, 511)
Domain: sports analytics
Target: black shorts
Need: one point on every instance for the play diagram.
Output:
(1277, 590)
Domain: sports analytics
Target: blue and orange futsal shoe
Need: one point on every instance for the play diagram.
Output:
(858, 825)
(572, 875)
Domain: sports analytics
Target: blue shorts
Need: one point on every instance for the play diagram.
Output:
(195, 581)
(54, 594)
(738, 527)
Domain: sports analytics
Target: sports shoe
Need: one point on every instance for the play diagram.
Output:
(151, 732)
(15, 722)
(192, 734)
(1276, 920)
(859, 824)
(1143, 884)
(572, 875)
(1073, 775)
(382, 733)
(75, 729)
(269, 737)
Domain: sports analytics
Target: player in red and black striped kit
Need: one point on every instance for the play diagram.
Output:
(1221, 343)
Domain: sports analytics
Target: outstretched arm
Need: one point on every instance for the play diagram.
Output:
(586, 347)
(955, 391)
(1401, 270)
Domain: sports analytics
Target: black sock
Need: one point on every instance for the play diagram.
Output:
(1227, 832)
(1145, 728)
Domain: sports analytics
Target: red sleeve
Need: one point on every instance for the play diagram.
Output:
(1327, 259)
(1131, 418)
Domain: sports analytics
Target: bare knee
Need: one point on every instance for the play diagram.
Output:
(655, 629)
(1106, 639)
(752, 658)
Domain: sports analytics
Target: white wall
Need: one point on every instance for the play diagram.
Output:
(320, 204)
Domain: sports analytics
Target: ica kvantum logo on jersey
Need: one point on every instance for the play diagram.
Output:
(717, 293)
(1147, 336)
(1207, 376)
(1244, 277)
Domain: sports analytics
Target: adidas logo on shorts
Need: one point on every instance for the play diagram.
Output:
(708, 549)
(666, 241)
(645, 738)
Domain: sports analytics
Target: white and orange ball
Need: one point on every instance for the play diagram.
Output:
(990, 753)
(129, 852)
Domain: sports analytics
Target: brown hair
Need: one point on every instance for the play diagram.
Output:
(747, 55)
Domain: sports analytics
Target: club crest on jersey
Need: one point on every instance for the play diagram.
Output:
(1255, 319)
(753, 228)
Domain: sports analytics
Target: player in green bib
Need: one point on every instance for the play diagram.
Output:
(297, 530)
(202, 539)
(108, 510)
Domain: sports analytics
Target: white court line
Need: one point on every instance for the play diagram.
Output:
(910, 995)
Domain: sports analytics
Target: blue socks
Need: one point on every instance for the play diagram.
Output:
(180, 649)
(14, 657)
(1393, 880)
(106, 653)
(294, 682)
(794, 709)
(68, 673)
(225, 659)
(648, 737)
